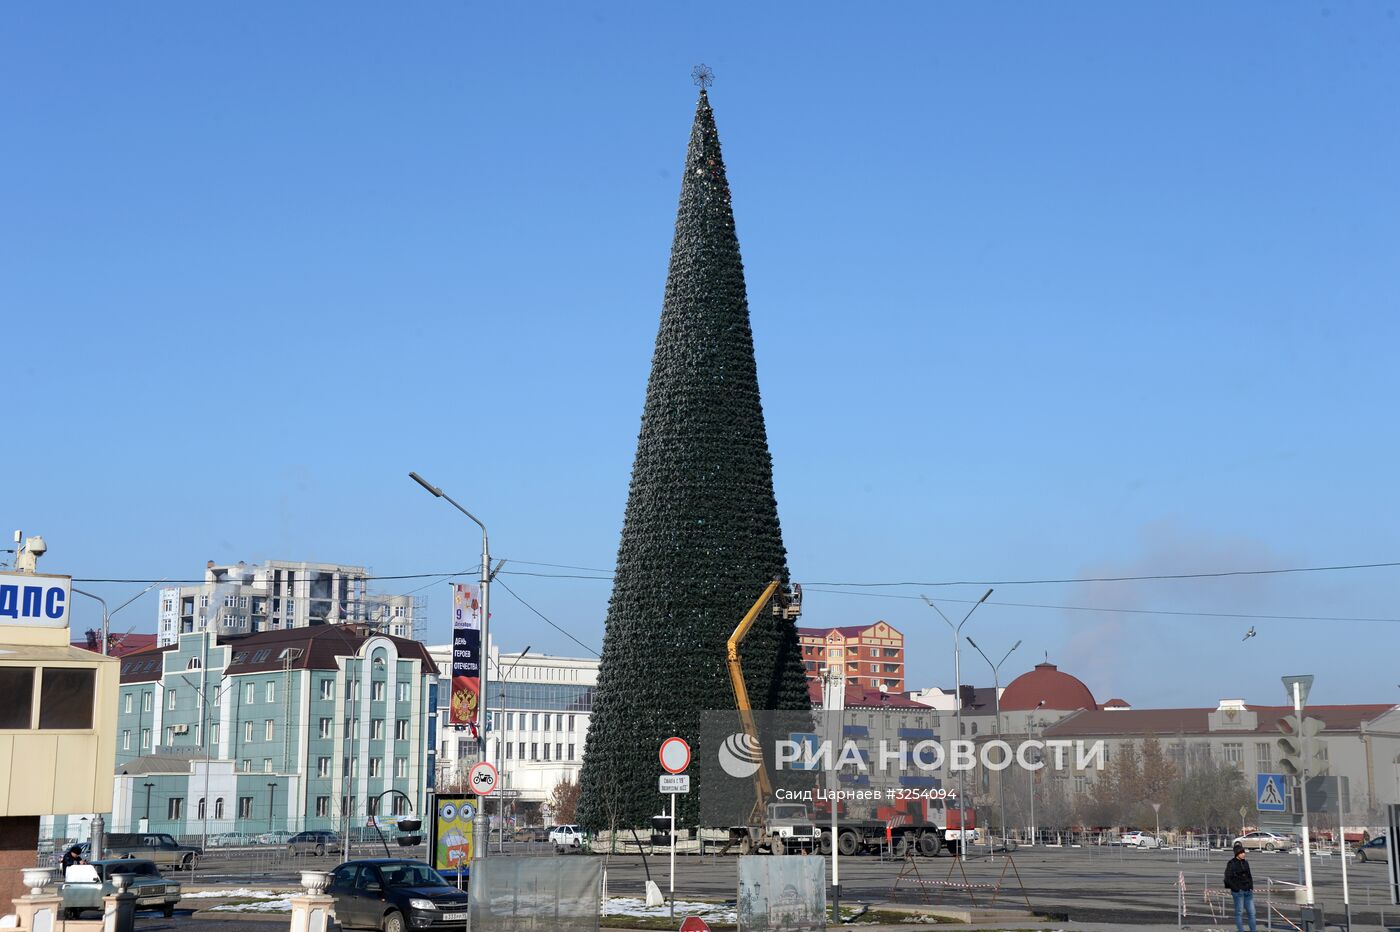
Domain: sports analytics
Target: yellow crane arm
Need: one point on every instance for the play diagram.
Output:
(762, 785)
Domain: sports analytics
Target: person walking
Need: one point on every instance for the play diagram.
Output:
(1240, 882)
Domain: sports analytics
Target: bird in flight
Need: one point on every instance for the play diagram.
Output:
(1250, 633)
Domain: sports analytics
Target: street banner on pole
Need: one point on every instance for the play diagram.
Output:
(466, 655)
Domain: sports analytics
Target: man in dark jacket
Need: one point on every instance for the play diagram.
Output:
(1240, 882)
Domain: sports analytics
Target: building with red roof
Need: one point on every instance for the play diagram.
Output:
(870, 655)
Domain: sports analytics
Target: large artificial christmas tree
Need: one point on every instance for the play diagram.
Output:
(700, 538)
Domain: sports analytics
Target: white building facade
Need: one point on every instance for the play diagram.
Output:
(243, 598)
(540, 706)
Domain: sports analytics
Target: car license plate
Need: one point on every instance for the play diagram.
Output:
(454, 917)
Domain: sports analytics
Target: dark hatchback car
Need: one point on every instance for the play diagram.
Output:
(395, 896)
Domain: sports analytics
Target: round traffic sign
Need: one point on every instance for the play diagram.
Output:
(482, 778)
(675, 755)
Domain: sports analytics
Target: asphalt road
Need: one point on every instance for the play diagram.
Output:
(1124, 887)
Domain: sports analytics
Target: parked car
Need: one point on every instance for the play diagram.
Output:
(531, 833)
(1136, 839)
(395, 895)
(159, 847)
(567, 836)
(84, 886)
(1373, 850)
(317, 843)
(231, 840)
(1264, 841)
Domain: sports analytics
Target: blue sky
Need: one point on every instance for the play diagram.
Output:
(1038, 291)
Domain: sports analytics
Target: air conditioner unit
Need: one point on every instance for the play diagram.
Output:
(181, 729)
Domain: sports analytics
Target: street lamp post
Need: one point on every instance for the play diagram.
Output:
(1030, 774)
(272, 807)
(500, 738)
(996, 706)
(483, 836)
(957, 694)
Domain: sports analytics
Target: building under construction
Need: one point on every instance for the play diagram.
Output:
(244, 598)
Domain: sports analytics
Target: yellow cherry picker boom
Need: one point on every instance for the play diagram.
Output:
(773, 827)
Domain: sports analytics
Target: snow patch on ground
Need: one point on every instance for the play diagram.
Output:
(635, 906)
(237, 893)
(283, 905)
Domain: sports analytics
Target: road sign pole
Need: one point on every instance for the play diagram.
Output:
(673, 855)
(1307, 837)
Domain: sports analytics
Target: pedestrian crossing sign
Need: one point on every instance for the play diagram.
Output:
(1270, 796)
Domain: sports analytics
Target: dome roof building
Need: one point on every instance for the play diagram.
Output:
(1046, 687)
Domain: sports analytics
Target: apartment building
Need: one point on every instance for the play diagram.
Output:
(871, 656)
(316, 727)
(243, 598)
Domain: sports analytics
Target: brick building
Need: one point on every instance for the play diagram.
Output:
(872, 655)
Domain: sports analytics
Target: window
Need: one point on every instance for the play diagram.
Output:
(376, 691)
(248, 693)
(16, 697)
(559, 722)
(271, 692)
(169, 734)
(126, 738)
(559, 752)
(204, 601)
(246, 765)
(508, 748)
(401, 766)
(1080, 785)
(325, 728)
(546, 721)
(175, 808)
(194, 663)
(328, 689)
(1234, 754)
(267, 729)
(376, 766)
(126, 703)
(571, 752)
(214, 733)
(323, 766)
(546, 750)
(199, 809)
(267, 765)
(219, 807)
(571, 723)
(376, 729)
(245, 807)
(170, 699)
(510, 720)
(400, 805)
(323, 806)
(464, 747)
(403, 693)
(145, 738)
(146, 702)
(1263, 757)
(401, 729)
(534, 721)
(534, 751)
(247, 732)
(372, 804)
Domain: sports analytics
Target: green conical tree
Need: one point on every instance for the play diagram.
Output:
(700, 538)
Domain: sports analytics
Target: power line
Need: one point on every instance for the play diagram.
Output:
(546, 620)
(1089, 579)
(1125, 611)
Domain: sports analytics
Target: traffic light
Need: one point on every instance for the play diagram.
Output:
(1290, 747)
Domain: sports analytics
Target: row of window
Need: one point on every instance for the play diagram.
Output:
(377, 690)
(376, 728)
(47, 697)
(853, 667)
(543, 696)
(531, 721)
(812, 651)
(520, 750)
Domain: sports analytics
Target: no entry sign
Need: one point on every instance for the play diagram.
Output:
(675, 755)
